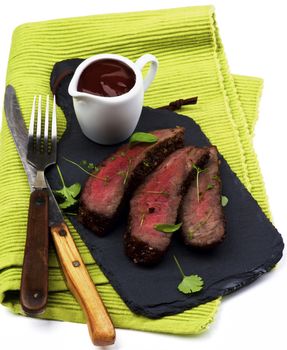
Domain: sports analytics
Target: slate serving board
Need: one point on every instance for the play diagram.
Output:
(252, 245)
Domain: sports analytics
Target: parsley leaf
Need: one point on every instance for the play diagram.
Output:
(224, 201)
(209, 187)
(143, 137)
(189, 284)
(67, 194)
(167, 228)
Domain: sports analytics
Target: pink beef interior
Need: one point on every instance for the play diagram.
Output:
(203, 218)
(103, 192)
(157, 200)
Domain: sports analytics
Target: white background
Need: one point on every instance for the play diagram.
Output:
(254, 35)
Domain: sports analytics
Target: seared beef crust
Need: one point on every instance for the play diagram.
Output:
(146, 248)
(100, 223)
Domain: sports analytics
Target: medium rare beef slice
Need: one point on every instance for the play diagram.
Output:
(156, 202)
(201, 212)
(106, 190)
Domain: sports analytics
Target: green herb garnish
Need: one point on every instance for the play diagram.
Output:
(67, 194)
(91, 166)
(106, 179)
(164, 193)
(216, 177)
(189, 284)
(142, 219)
(198, 171)
(85, 164)
(125, 173)
(122, 173)
(128, 171)
(209, 187)
(167, 228)
(224, 201)
(197, 226)
(143, 137)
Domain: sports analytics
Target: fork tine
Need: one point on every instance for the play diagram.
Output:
(54, 127)
(31, 126)
(38, 135)
(42, 139)
(46, 129)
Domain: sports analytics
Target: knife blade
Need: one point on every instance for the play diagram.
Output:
(78, 280)
(19, 133)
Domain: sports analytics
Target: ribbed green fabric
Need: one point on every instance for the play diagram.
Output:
(192, 63)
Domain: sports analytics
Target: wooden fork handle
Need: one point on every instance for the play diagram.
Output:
(101, 328)
(34, 282)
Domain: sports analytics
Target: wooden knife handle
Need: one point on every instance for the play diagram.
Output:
(101, 328)
(34, 282)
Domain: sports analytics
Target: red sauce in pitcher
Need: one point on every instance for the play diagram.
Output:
(107, 77)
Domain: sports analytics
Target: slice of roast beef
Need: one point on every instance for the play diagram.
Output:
(156, 201)
(201, 212)
(105, 192)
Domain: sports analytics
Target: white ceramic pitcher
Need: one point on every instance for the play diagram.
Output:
(109, 120)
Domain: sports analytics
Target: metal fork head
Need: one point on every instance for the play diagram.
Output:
(42, 147)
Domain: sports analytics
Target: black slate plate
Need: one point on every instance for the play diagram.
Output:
(252, 245)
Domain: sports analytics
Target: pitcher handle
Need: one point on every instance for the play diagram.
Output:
(141, 62)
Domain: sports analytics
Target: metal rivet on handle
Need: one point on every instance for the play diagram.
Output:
(40, 200)
(76, 263)
(62, 233)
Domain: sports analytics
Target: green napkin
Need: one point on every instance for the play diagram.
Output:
(192, 63)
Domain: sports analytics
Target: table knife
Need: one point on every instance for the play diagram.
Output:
(78, 280)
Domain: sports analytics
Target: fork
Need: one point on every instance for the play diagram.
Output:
(41, 153)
